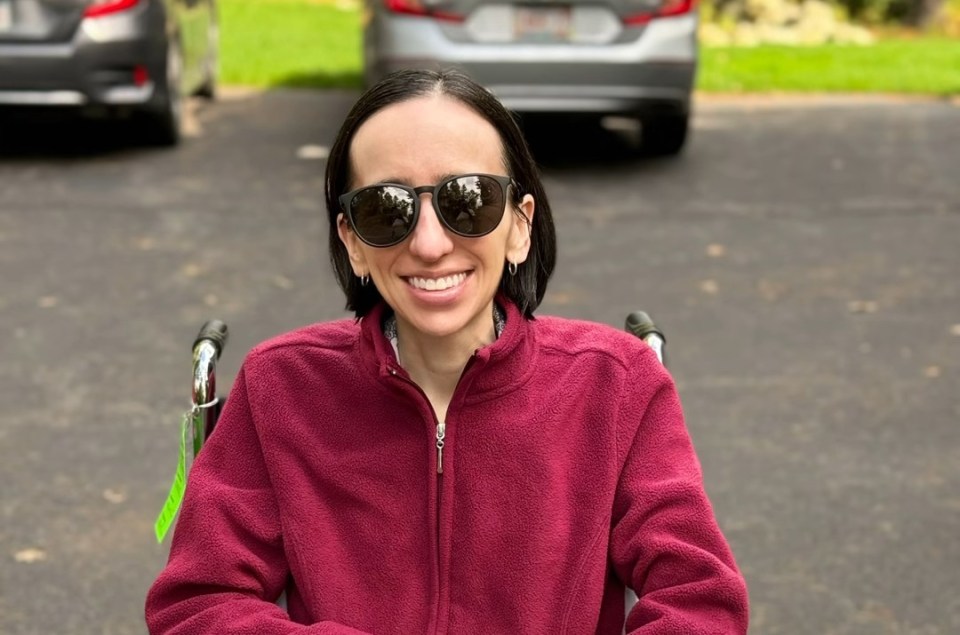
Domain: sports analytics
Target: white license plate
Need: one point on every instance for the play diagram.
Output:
(542, 23)
(6, 15)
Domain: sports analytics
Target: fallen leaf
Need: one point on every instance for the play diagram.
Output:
(114, 496)
(862, 306)
(191, 270)
(709, 286)
(283, 282)
(955, 330)
(932, 371)
(312, 152)
(30, 555)
(145, 243)
(211, 300)
(48, 302)
(716, 250)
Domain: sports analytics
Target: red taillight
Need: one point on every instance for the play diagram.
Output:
(416, 7)
(140, 75)
(106, 7)
(668, 8)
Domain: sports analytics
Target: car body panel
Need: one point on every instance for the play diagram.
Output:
(51, 55)
(610, 67)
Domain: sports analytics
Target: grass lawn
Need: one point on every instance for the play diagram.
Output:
(917, 65)
(303, 43)
(316, 44)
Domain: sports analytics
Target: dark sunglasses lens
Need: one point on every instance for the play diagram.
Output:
(382, 215)
(471, 205)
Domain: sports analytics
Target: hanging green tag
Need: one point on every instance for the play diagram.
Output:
(175, 497)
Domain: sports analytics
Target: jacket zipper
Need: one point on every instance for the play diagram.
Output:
(440, 439)
(440, 442)
(441, 433)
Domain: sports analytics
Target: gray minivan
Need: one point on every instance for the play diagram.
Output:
(594, 57)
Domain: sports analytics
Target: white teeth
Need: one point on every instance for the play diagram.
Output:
(438, 284)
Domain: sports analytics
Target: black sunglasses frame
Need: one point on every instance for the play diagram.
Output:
(346, 199)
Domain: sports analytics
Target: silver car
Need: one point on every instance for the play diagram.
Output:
(598, 57)
(135, 58)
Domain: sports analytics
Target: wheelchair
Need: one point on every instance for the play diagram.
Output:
(206, 405)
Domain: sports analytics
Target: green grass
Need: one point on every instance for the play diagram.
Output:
(317, 44)
(921, 65)
(303, 43)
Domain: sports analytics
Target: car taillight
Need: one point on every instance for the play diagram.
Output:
(667, 8)
(140, 75)
(107, 7)
(418, 7)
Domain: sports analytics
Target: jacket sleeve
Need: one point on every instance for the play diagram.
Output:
(227, 564)
(665, 541)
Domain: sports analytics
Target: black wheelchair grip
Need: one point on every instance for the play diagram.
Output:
(640, 324)
(215, 331)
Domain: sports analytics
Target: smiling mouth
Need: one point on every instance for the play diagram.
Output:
(437, 284)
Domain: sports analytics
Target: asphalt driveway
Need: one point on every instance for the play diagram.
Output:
(803, 258)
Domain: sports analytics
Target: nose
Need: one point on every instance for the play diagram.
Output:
(430, 240)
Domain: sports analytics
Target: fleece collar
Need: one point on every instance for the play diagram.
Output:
(496, 369)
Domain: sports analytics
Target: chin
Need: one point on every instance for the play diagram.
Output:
(439, 327)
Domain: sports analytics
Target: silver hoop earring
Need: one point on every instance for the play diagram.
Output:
(364, 280)
(512, 268)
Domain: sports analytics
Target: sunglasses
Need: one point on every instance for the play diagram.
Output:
(469, 205)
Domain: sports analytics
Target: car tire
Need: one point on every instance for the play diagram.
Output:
(663, 135)
(208, 89)
(162, 123)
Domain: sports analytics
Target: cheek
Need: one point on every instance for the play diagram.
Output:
(381, 260)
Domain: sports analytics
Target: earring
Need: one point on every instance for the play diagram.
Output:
(512, 268)
(364, 279)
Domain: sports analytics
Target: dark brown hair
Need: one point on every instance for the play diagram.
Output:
(528, 286)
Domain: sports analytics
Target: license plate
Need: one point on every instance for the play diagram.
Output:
(542, 23)
(6, 15)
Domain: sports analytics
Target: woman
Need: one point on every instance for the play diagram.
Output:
(446, 462)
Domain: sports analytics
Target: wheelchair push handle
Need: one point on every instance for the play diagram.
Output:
(207, 347)
(216, 332)
(640, 324)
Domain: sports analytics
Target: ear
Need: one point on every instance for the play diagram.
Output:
(518, 245)
(354, 247)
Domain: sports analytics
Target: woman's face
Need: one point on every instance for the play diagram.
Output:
(438, 283)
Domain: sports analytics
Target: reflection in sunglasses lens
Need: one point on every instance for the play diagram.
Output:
(471, 205)
(383, 215)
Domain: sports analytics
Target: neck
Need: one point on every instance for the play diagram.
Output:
(436, 363)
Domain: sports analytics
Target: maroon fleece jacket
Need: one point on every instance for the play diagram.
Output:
(567, 472)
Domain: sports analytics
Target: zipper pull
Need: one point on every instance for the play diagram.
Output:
(441, 433)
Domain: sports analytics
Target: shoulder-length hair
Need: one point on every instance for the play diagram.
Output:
(526, 289)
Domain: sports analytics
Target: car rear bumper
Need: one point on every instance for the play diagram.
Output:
(95, 68)
(654, 72)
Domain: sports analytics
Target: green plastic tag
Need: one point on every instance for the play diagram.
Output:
(175, 497)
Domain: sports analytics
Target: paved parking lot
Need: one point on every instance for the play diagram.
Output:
(803, 258)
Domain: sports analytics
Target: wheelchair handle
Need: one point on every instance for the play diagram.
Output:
(207, 347)
(640, 324)
(216, 332)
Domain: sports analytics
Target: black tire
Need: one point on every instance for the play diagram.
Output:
(208, 89)
(663, 135)
(162, 123)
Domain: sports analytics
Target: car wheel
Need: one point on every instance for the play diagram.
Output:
(663, 135)
(163, 122)
(208, 89)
